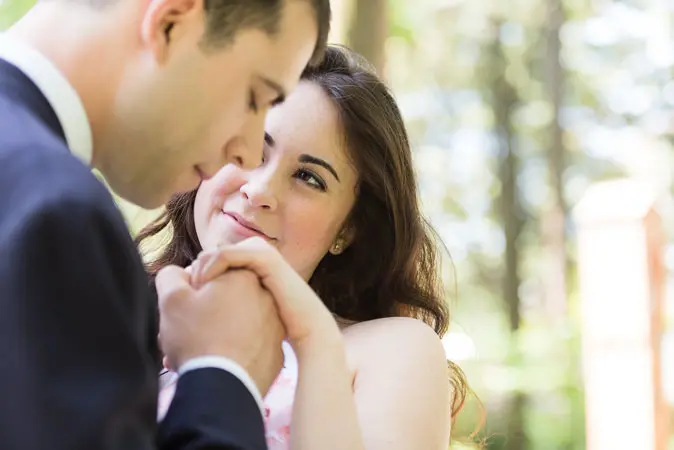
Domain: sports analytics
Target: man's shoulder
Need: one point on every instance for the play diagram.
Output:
(42, 182)
(52, 202)
(36, 168)
(34, 176)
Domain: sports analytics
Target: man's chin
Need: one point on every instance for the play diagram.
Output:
(149, 200)
(157, 199)
(149, 204)
(127, 196)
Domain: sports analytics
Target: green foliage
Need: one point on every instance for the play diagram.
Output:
(446, 77)
(13, 10)
(617, 89)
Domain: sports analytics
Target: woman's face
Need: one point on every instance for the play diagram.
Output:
(298, 198)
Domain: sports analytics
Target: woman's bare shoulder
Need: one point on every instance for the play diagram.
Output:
(394, 337)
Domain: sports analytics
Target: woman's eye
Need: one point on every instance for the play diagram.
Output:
(311, 179)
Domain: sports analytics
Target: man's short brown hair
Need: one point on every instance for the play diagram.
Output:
(224, 18)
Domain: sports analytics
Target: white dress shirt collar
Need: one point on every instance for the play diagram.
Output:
(60, 94)
(73, 118)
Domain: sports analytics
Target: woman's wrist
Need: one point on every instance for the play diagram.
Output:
(325, 339)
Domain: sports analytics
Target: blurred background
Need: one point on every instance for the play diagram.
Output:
(519, 111)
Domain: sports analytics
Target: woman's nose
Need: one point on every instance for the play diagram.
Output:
(259, 192)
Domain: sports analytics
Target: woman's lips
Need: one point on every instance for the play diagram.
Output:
(245, 227)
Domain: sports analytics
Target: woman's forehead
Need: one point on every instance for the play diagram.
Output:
(308, 123)
(308, 120)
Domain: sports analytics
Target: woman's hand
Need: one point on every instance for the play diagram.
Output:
(304, 315)
(325, 383)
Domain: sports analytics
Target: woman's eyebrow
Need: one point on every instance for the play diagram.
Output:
(304, 158)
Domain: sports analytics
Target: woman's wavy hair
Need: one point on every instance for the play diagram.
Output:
(392, 265)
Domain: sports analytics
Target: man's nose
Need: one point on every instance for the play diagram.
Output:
(246, 150)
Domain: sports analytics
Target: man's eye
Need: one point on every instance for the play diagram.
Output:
(252, 102)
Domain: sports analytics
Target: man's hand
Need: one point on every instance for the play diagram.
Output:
(307, 320)
(232, 316)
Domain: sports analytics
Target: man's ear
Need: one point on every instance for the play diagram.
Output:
(166, 21)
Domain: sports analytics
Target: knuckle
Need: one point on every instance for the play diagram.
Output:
(171, 294)
(163, 273)
(242, 277)
(171, 297)
(207, 255)
(215, 252)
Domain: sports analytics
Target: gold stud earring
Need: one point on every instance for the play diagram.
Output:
(337, 248)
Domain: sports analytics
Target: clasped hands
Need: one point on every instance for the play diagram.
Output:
(240, 302)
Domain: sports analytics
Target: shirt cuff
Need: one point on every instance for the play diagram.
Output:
(228, 365)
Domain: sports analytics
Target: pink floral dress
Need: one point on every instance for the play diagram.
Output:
(278, 404)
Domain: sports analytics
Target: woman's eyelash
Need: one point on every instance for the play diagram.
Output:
(318, 181)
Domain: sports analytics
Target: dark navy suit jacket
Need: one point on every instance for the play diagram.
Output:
(78, 350)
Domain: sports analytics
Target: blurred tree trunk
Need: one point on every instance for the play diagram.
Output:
(516, 436)
(341, 11)
(368, 31)
(554, 218)
(504, 98)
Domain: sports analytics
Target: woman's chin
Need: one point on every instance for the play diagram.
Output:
(233, 240)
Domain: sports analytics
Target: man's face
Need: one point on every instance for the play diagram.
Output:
(181, 112)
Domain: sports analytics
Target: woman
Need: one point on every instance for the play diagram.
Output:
(336, 196)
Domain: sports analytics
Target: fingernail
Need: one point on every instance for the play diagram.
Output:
(205, 268)
(194, 279)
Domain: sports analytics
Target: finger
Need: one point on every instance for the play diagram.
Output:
(245, 255)
(261, 258)
(203, 259)
(211, 265)
(170, 281)
(197, 264)
(166, 363)
(195, 268)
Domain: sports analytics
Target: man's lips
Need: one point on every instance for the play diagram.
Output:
(247, 224)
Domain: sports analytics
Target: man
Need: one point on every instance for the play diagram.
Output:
(157, 95)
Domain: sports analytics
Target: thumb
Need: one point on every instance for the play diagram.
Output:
(167, 363)
(208, 266)
(171, 281)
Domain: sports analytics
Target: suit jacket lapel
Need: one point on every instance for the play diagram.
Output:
(18, 87)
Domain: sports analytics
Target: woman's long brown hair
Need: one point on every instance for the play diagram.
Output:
(391, 267)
